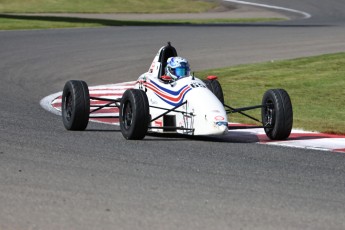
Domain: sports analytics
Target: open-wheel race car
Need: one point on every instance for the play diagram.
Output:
(168, 99)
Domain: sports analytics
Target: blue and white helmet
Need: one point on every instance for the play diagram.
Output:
(177, 67)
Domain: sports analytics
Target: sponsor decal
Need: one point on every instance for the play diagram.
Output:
(158, 123)
(219, 118)
(197, 85)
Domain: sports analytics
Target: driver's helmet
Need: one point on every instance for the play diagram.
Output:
(177, 67)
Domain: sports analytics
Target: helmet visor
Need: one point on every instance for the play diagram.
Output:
(181, 71)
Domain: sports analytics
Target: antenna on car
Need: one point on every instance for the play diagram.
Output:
(193, 77)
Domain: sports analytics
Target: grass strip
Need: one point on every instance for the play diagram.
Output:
(15, 22)
(105, 6)
(316, 86)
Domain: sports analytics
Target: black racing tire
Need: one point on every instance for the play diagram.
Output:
(75, 105)
(215, 88)
(277, 114)
(134, 114)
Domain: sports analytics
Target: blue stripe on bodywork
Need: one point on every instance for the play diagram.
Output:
(172, 103)
(175, 93)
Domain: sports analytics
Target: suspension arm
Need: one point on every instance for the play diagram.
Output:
(168, 111)
(240, 111)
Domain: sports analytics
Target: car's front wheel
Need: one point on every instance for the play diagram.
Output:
(134, 114)
(277, 115)
(75, 105)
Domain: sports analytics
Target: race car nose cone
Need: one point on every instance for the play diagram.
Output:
(222, 126)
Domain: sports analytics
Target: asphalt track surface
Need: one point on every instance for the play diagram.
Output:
(54, 179)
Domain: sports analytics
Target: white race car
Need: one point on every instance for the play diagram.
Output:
(174, 103)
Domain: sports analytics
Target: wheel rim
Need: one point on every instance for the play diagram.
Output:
(68, 107)
(269, 114)
(127, 115)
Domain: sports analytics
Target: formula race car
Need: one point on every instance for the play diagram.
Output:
(168, 99)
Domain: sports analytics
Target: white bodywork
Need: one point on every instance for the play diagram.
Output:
(198, 112)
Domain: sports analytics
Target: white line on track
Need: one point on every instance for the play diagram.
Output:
(305, 14)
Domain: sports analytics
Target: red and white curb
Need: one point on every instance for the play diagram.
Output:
(297, 139)
(52, 103)
(301, 139)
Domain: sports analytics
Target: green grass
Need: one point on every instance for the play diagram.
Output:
(104, 6)
(316, 86)
(15, 22)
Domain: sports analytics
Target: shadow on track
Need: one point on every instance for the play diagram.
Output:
(231, 137)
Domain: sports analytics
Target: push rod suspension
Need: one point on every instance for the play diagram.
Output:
(103, 116)
(104, 99)
(245, 108)
(245, 127)
(171, 127)
(103, 106)
(168, 111)
(240, 111)
(111, 101)
(156, 107)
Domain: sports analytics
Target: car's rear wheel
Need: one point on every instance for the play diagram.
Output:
(75, 105)
(134, 114)
(215, 88)
(277, 115)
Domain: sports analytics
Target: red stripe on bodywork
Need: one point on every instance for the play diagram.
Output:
(166, 96)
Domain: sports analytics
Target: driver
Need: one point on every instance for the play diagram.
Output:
(177, 67)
